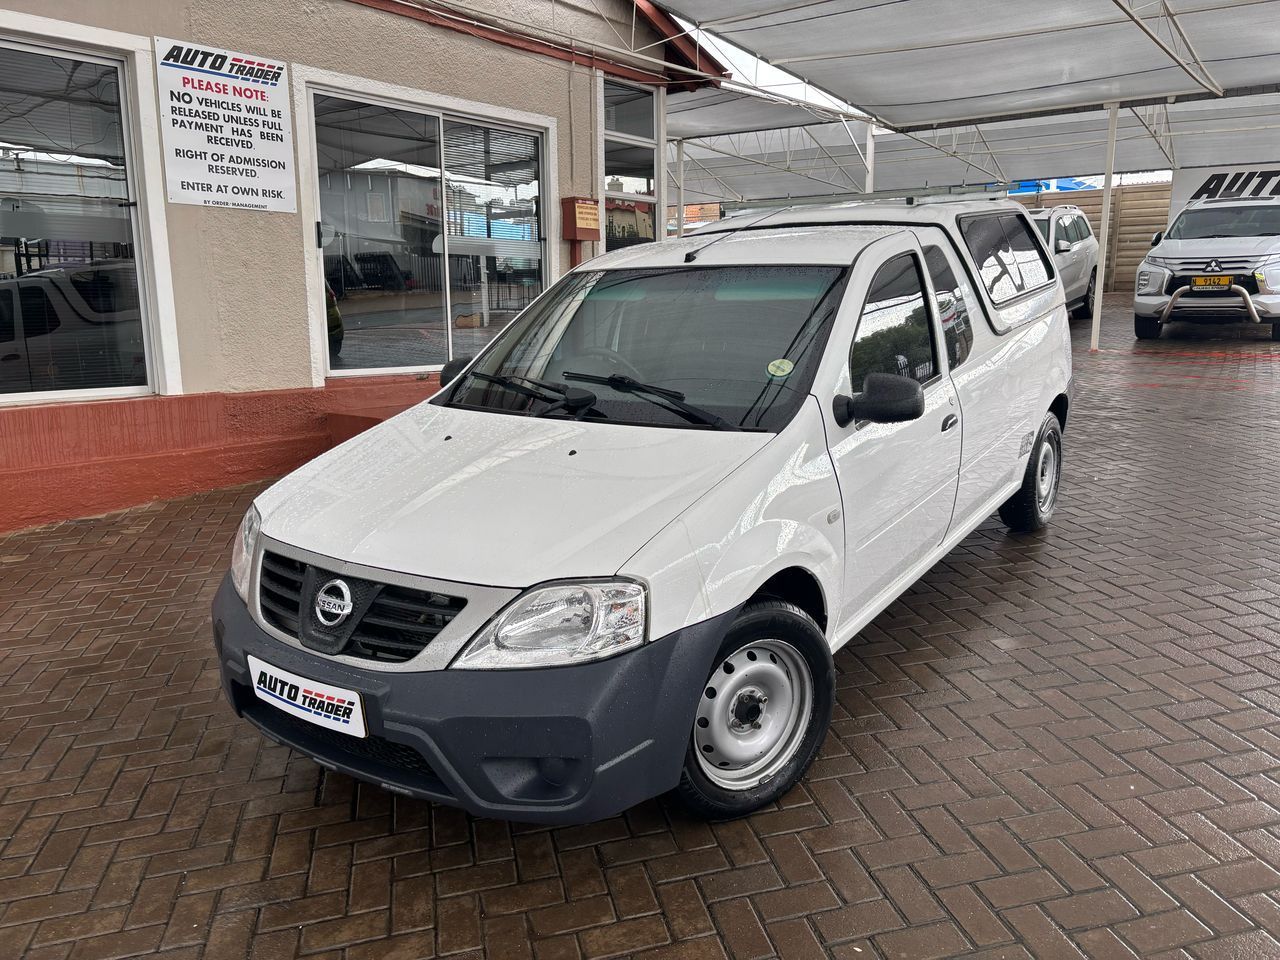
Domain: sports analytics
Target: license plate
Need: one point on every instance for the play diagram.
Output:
(323, 704)
(1211, 281)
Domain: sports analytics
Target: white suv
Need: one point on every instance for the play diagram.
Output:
(613, 556)
(1067, 233)
(1218, 263)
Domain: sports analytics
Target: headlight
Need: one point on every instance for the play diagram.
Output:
(242, 551)
(1159, 262)
(1268, 272)
(561, 623)
(1151, 275)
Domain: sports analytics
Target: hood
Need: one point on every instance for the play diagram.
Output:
(495, 499)
(1221, 247)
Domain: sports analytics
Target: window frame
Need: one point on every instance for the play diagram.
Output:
(131, 56)
(925, 247)
(310, 82)
(657, 198)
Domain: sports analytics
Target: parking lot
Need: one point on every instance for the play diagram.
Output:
(1058, 745)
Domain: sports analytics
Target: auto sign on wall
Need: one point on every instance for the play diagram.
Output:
(227, 129)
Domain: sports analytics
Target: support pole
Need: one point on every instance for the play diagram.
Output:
(680, 188)
(871, 158)
(1104, 236)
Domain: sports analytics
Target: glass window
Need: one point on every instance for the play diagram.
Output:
(1042, 224)
(628, 110)
(895, 334)
(1009, 260)
(738, 343)
(69, 310)
(1082, 226)
(628, 168)
(628, 222)
(954, 300)
(381, 214)
(495, 229)
(1240, 220)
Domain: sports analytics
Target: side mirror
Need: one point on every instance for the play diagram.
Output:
(451, 369)
(885, 398)
(1157, 237)
(1062, 245)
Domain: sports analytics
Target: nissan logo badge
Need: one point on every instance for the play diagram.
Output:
(333, 603)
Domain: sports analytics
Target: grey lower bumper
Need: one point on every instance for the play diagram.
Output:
(556, 745)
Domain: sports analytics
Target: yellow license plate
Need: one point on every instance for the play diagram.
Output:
(1211, 281)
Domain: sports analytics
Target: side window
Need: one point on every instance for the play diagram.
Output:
(894, 332)
(1064, 229)
(952, 299)
(8, 330)
(1082, 224)
(38, 315)
(1009, 260)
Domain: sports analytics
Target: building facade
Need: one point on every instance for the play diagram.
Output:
(233, 233)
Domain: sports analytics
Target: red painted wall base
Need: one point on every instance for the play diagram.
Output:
(59, 461)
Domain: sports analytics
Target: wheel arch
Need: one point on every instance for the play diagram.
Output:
(796, 585)
(1058, 407)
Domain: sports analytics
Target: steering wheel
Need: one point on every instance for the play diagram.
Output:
(614, 360)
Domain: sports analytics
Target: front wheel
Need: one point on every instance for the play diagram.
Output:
(1032, 506)
(763, 714)
(1146, 328)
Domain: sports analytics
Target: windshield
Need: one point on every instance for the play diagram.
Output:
(697, 347)
(1205, 223)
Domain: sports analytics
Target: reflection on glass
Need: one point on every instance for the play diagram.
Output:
(381, 216)
(495, 234)
(628, 110)
(628, 169)
(894, 333)
(627, 222)
(69, 311)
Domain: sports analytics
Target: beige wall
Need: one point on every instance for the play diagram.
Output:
(238, 275)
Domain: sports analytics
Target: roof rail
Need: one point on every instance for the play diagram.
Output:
(909, 195)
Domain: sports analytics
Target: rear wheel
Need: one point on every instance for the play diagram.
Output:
(763, 714)
(1032, 506)
(1084, 308)
(1146, 328)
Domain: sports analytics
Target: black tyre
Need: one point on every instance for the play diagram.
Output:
(1031, 507)
(1146, 328)
(1084, 309)
(763, 714)
(1275, 331)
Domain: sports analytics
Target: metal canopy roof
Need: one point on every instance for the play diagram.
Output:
(713, 111)
(934, 63)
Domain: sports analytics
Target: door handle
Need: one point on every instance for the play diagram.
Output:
(11, 356)
(949, 421)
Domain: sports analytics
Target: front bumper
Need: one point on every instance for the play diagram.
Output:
(554, 745)
(1238, 306)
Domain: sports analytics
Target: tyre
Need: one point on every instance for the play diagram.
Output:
(1031, 507)
(1084, 309)
(1275, 331)
(763, 714)
(1146, 328)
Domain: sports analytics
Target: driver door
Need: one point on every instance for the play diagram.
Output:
(898, 481)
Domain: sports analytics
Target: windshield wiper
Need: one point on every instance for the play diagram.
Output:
(572, 399)
(672, 400)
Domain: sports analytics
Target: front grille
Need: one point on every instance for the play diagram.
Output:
(1198, 265)
(388, 623)
(374, 757)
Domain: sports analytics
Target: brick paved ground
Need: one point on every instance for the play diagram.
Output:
(1059, 745)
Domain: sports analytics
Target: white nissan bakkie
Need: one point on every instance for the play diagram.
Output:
(612, 557)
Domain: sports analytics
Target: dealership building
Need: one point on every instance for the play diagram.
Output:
(234, 233)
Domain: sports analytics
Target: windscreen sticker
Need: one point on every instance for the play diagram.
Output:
(780, 368)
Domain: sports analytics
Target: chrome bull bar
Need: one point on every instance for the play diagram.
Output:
(1235, 288)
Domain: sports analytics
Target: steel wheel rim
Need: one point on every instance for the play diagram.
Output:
(1047, 473)
(740, 740)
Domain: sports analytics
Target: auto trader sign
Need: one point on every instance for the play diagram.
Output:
(227, 131)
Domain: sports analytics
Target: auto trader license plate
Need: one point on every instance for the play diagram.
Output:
(323, 704)
(1211, 282)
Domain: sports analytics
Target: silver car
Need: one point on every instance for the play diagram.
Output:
(1070, 239)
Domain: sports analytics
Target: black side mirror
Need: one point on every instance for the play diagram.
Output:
(1159, 235)
(885, 398)
(451, 369)
(1063, 245)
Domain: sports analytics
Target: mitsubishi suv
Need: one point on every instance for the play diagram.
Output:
(1066, 232)
(613, 556)
(1218, 263)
